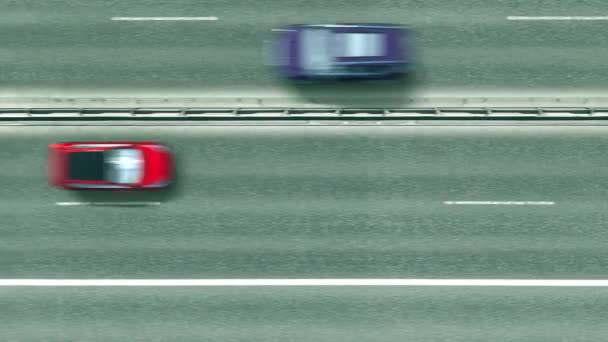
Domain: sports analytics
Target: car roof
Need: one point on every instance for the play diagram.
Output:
(125, 166)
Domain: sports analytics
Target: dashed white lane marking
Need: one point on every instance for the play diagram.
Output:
(164, 18)
(73, 204)
(514, 17)
(499, 203)
(300, 282)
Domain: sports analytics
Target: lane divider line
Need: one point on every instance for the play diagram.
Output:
(164, 18)
(514, 17)
(300, 282)
(73, 204)
(499, 203)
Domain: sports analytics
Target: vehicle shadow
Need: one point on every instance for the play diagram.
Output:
(394, 92)
(135, 198)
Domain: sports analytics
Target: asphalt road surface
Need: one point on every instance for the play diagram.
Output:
(319, 201)
(315, 202)
(467, 47)
(304, 314)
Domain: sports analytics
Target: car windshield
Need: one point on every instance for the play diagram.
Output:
(87, 166)
(123, 166)
(315, 53)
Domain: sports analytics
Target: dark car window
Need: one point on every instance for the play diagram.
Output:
(368, 68)
(86, 166)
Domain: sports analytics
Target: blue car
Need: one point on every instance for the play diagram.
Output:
(337, 51)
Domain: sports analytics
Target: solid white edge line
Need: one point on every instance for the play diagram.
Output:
(299, 282)
(499, 203)
(514, 17)
(164, 18)
(73, 204)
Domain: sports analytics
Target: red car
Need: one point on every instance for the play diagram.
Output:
(110, 165)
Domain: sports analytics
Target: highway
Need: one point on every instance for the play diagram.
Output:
(507, 201)
(304, 314)
(462, 48)
(319, 201)
(315, 201)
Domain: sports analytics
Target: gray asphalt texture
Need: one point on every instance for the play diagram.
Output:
(308, 202)
(319, 201)
(314, 202)
(70, 47)
(305, 314)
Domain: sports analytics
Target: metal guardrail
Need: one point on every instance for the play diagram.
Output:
(442, 113)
